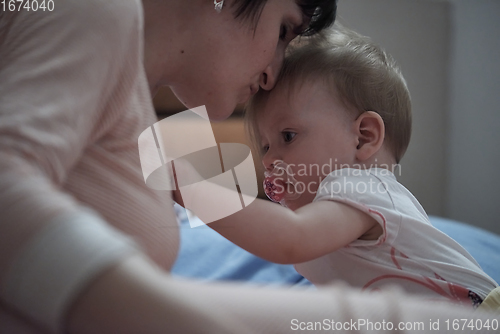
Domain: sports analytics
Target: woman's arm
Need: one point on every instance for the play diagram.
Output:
(156, 303)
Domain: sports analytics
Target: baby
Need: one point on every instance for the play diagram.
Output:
(330, 134)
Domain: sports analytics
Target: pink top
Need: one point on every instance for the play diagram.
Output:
(73, 100)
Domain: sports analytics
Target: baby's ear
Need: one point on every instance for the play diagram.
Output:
(370, 131)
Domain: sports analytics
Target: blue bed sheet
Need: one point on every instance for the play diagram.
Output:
(206, 255)
(483, 245)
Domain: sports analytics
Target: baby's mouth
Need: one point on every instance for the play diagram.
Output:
(279, 185)
(275, 188)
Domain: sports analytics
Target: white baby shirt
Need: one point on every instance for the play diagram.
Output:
(410, 253)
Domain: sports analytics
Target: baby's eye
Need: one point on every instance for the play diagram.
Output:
(265, 148)
(288, 136)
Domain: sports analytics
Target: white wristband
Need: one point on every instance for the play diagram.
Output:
(55, 266)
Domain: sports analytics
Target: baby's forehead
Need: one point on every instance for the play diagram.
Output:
(298, 98)
(279, 105)
(282, 98)
(272, 115)
(294, 87)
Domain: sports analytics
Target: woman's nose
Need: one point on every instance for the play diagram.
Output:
(270, 74)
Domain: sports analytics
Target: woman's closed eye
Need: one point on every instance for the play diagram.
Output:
(283, 32)
(288, 136)
(289, 31)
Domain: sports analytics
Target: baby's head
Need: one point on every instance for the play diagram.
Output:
(340, 100)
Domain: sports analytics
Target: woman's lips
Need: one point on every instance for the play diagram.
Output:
(252, 90)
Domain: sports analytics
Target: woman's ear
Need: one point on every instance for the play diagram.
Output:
(370, 131)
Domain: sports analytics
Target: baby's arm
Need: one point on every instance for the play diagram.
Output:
(281, 235)
(273, 232)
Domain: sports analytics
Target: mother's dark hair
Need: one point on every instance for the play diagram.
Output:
(320, 12)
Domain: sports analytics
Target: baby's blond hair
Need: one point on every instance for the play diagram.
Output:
(358, 71)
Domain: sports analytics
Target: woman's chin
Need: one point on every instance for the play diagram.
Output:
(220, 111)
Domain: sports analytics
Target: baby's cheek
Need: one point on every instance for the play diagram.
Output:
(309, 187)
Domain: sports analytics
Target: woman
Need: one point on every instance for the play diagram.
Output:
(75, 92)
